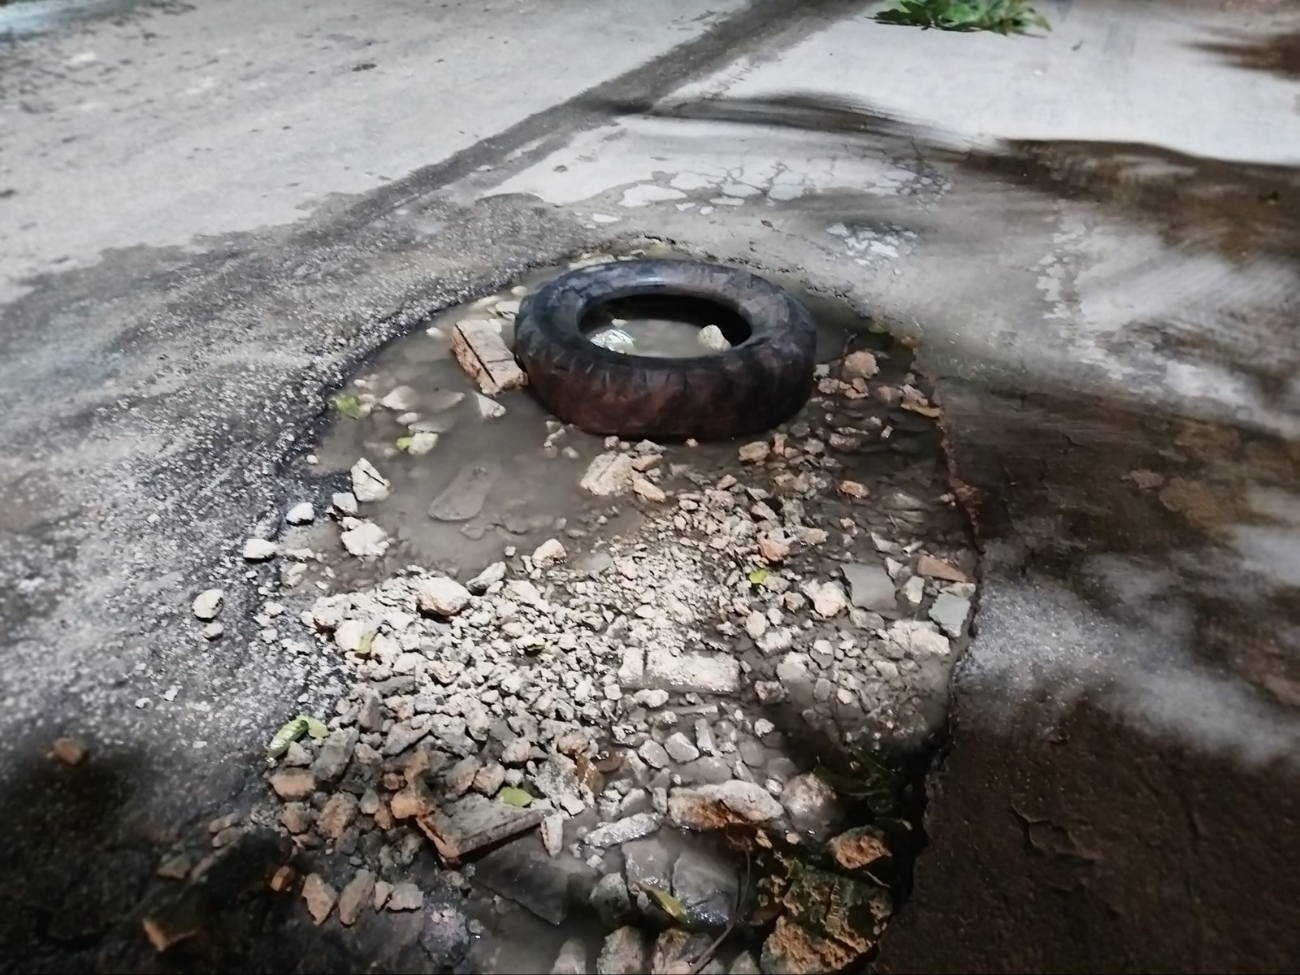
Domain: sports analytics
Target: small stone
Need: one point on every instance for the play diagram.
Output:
(704, 740)
(810, 802)
(405, 897)
(608, 474)
(401, 400)
(69, 751)
(293, 784)
(549, 553)
(382, 891)
(647, 491)
(441, 596)
(870, 587)
(914, 591)
(207, 604)
(859, 365)
(367, 483)
(295, 817)
(623, 953)
(572, 959)
(338, 815)
(950, 613)
(745, 964)
(756, 625)
(319, 896)
(516, 751)
(710, 337)
(301, 513)
(489, 779)
(912, 639)
(421, 442)
(176, 867)
(412, 802)
(259, 550)
(488, 409)
(716, 806)
(932, 568)
(859, 847)
(653, 754)
(488, 578)
(213, 631)
(679, 747)
(773, 549)
(552, 833)
(557, 777)
(830, 600)
(461, 776)
(624, 830)
(852, 489)
(345, 503)
(754, 453)
(366, 541)
(358, 892)
(702, 673)
(611, 901)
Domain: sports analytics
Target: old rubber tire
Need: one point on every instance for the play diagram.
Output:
(752, 387)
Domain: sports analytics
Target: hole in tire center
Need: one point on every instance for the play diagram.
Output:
(663, 326)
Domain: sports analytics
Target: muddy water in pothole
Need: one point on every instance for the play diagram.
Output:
(666, 328)
(494, 481)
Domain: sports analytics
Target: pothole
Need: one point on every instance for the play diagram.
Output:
(612, 700)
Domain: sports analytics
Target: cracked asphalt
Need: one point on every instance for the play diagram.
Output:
(1092, 238)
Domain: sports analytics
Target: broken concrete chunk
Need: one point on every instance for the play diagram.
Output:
(950, 613)
(624, 953)
(481, 351)
(608, 474)
(301, 513)
(367, 483)
(259, 550)
(358, 892)
(488, 408)
(859, 365)
(366, 541)
(473, 822)
(859, 847)
(207, 604)
(489, 577)
(441, 597)
(549, 553)
(870, 587)
(319, 896)
(624, 830)
(932, 568)
(717, 806)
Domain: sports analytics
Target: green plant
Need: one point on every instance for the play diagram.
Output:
(999, 16)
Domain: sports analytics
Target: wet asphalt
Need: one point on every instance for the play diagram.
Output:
(1119, 788)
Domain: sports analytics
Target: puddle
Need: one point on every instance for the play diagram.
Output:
(524, 465)
(772, 622)
(668, 328)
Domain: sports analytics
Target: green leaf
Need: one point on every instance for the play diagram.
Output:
(364, 644)
(289, 732)
(667, 903)
(348, 405)
(403, 443)
(513, 796)
(315, 727)
(757, 576)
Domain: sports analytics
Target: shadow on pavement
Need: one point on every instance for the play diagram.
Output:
(1276, 55)
(83, 853)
